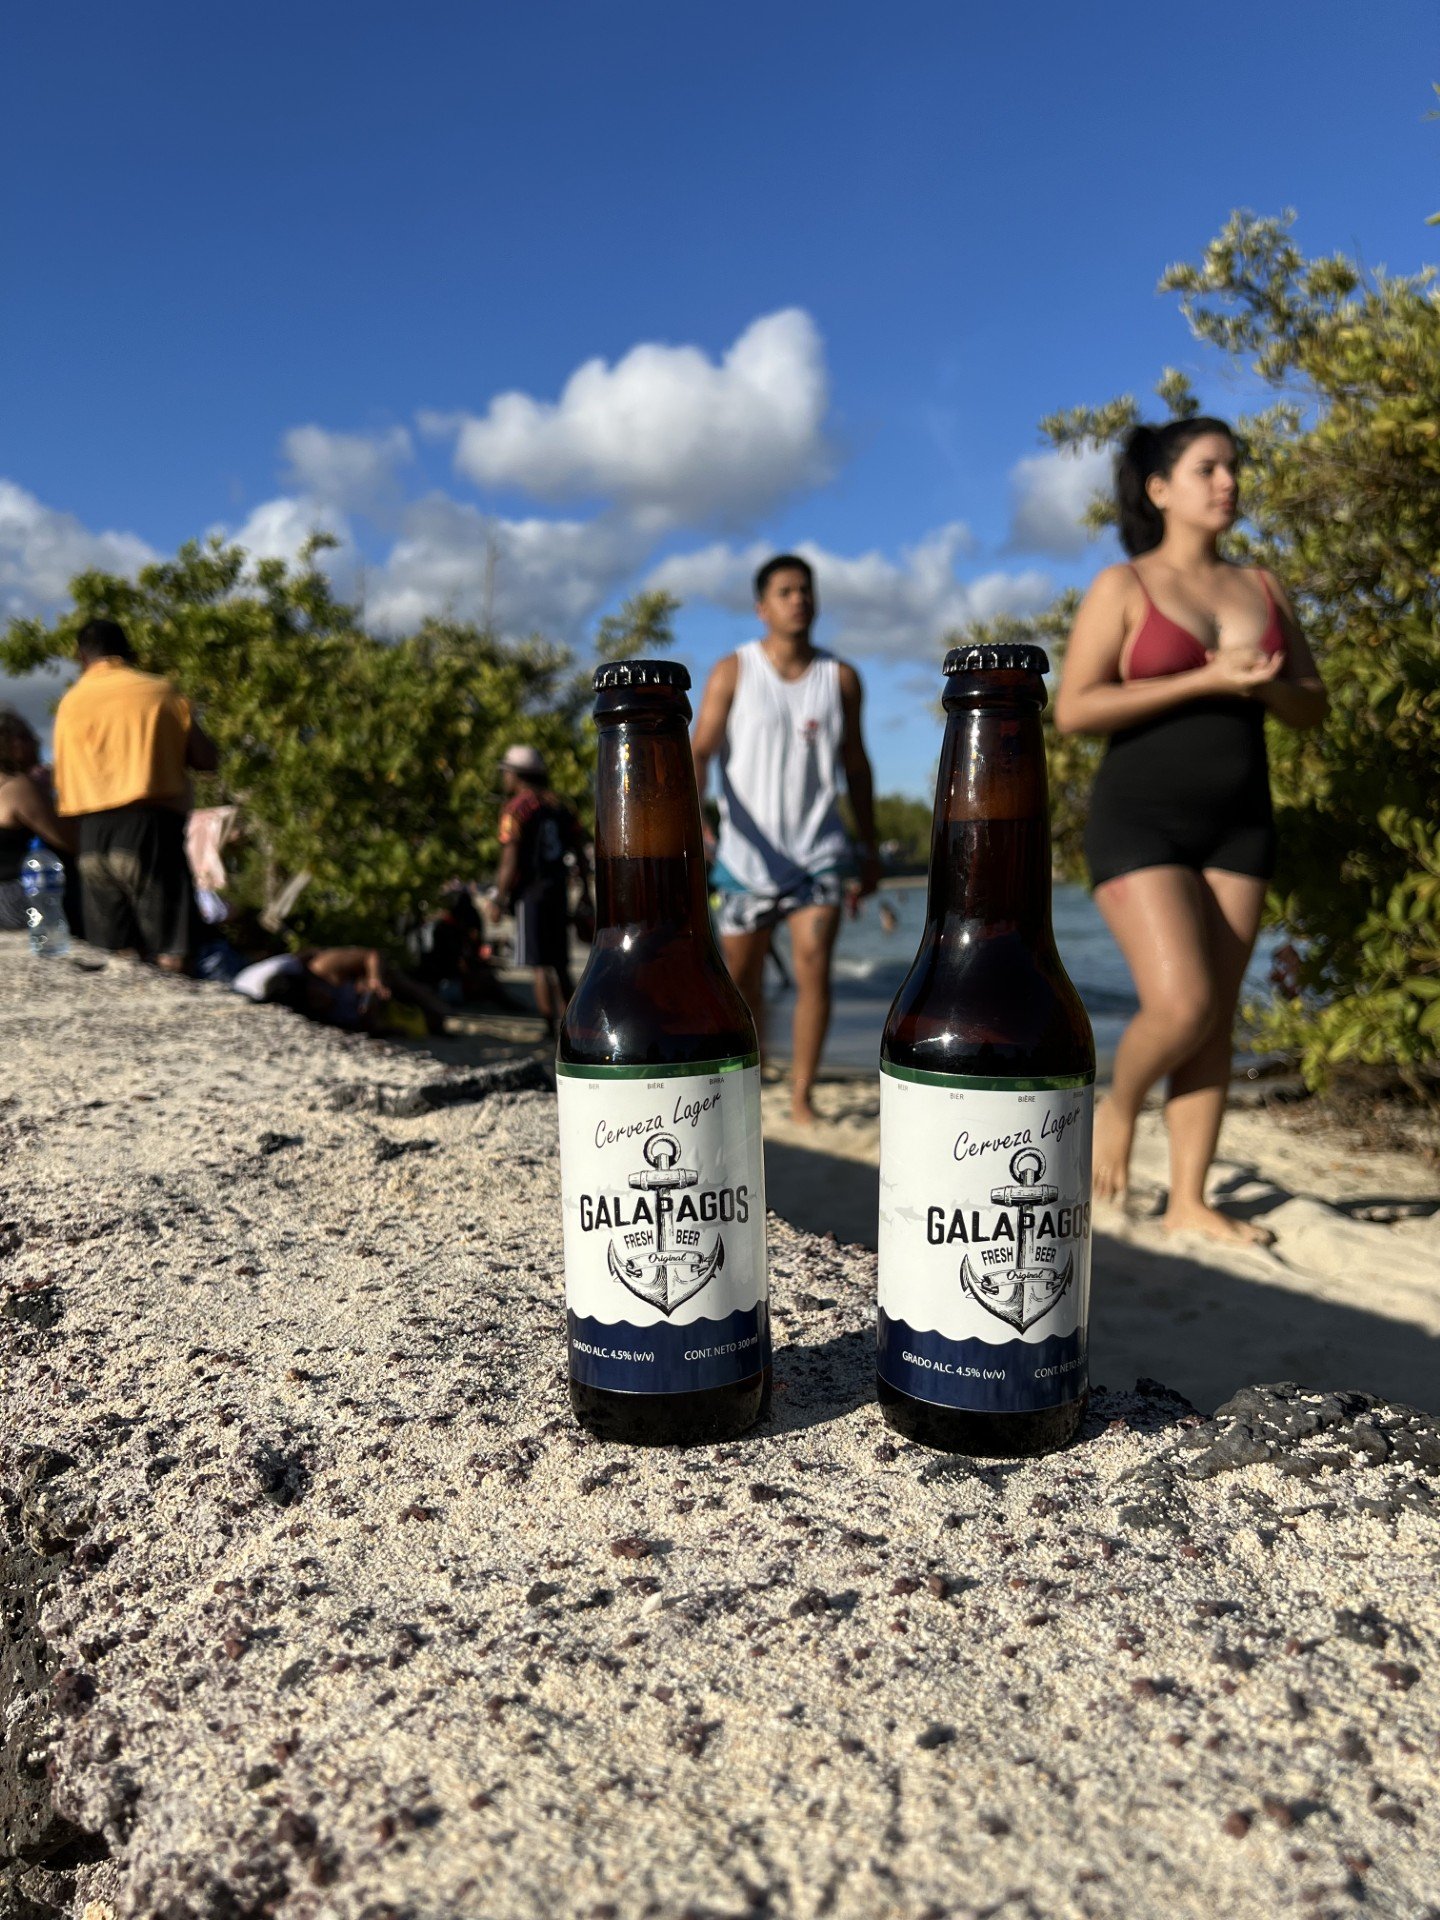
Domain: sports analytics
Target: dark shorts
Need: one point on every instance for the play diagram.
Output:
(135, 880)
(542, 928)
(1126, 845)
(1188, 790)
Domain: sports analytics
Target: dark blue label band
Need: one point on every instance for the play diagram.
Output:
(666, 1359)
(1012, 1376)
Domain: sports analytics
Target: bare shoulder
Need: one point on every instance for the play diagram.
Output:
(724, 676)
(1271, 585)
(1113, 585)
(851, 685)
(713, 713)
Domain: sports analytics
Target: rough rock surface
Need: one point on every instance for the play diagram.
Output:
(319, 1604)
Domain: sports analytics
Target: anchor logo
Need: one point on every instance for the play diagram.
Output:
(666, 1276)
(1028, 1291)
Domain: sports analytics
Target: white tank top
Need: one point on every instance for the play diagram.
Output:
(779, 774)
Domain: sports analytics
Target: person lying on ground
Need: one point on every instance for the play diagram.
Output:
(340, 986)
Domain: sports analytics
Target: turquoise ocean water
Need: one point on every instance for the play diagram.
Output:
(870, 965)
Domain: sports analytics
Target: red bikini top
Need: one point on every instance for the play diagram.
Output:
(1160, 645)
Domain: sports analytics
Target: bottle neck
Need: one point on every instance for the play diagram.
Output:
(990, 853)
(649, 850)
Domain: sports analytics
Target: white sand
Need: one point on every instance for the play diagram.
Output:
(343, 1617)
(1340, 1300)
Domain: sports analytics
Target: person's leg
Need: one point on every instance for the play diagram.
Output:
(812, 942)
(745, 957)
(553, 952)
(164, 893)
(1195, 1105)
(547, 997)
(1157, 917)
(412, 992)
(106, 896)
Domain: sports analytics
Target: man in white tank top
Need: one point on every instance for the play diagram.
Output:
(782, 717)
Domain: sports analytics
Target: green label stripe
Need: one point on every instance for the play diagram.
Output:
(661, 1070)
(985, 1083)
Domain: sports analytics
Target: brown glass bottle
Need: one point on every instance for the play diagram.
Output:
(658, 1075)
(987, 1072)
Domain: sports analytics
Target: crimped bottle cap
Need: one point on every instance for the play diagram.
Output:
(1002, 659)
(641, 673)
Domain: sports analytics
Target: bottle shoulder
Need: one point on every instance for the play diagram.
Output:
(1002, 1006)
(661, 1002)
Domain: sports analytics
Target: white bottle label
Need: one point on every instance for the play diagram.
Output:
(984, 1246)
(662, 1182)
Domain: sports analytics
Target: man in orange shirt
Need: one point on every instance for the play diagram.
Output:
(125, 744)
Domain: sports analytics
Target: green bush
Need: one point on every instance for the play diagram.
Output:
(370, 764)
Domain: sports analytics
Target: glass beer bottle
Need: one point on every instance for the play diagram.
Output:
(987, 1070)
(658, 1073)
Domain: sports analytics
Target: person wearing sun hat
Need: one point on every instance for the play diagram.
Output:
(537, 830)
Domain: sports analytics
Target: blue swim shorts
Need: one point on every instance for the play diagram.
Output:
(738, 910)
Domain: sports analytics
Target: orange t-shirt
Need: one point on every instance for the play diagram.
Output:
(120, 737)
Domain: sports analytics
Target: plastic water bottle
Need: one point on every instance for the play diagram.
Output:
(42, 881)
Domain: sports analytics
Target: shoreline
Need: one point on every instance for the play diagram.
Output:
(1346, 1296)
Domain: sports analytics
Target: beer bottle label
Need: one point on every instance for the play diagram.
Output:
(984, 1246)
(663, 1193)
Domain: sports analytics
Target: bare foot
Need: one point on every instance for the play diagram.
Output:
(1113, 1136)
(801, 1111)
(1193, 1217)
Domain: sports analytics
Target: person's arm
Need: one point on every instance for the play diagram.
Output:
(33, 809)
(1297, 696)
(201, 753)
(577, 848)
(1092, 698)
(711, 722)
(506, 875)
(350, 966)
(859, 780)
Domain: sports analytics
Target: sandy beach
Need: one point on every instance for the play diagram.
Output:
(319, 1606)
(1348, 1296)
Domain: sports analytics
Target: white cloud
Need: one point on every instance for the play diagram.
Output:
(34, 695)
(278, 529)
(41, 550)
(718, 573)
(667, 428)
(870, 605)
(1050, 492)
(357, 471)
(453, 559)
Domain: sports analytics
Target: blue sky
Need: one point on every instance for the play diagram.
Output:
(636, 292)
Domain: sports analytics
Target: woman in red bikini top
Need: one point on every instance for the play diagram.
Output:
(1160, 645)
(1177, 656)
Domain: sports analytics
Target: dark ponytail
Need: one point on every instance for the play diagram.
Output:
(1146, 452)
